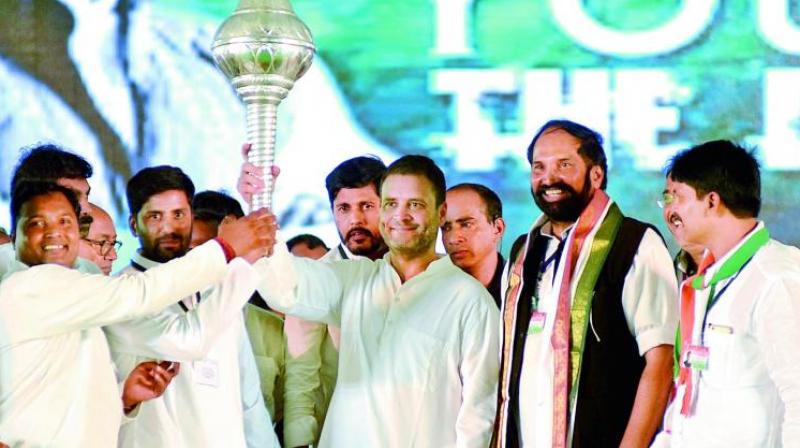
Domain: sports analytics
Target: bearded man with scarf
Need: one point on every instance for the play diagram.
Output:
(589, 309)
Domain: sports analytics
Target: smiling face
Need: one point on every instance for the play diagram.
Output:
(686, 215)
(409, 218)
(356, 212)
(468, 235)
(164, 225)
(562, 183)
(47, 231)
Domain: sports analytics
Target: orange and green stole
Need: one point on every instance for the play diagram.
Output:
(700, 281)
(572, 313)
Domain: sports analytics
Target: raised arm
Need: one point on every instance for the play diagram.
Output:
(187, 336)
(301, 287)
(46, 300)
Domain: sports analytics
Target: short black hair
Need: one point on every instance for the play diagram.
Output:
(591, 148)
(494, 207)
(357, 172)
(27, 191)
(724, 167)
(418, 165)
(154, 180)
(308, 239)
(214, 206)
(47, 163)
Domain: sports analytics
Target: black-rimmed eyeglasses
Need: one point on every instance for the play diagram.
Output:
(104, 247)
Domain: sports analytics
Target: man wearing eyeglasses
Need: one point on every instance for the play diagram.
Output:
(100, 246)
(739, 379)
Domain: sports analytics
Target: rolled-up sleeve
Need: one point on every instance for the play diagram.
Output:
(650, 295)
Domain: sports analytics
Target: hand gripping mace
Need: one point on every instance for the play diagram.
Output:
(263, 48)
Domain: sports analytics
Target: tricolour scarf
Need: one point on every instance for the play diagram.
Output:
(732, 266)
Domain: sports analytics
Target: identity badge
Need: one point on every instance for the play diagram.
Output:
(722, 329)
(698, 357)
(537, 322)
(206, 372)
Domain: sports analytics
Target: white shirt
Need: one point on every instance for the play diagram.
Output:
(216, 398)
(650, 306)
(750, 394)
(57, 382)
(418, 360)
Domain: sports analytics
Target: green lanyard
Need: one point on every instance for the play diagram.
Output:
(736, 261)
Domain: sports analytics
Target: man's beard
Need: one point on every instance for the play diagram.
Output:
(425, 240)
(376, 243)
(569, 208)
(155, 252)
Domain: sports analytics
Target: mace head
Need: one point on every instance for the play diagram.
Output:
(263, 43)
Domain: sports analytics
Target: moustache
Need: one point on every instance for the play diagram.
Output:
(170, 237)
(560, 185)
(674, 219)
(355, 230)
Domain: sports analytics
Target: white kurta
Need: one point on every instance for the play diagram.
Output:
(216, 399)
(750, 394)
(57, 382)
(418, 360)
(649, 303)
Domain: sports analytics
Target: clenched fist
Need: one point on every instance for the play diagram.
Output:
(251, 177)
(252, 236)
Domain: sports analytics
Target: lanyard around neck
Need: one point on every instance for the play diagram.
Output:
(736, 261)
(714, 298)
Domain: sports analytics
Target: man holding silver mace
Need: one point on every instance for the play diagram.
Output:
(418, 354)
(419, 336)
(216, 401)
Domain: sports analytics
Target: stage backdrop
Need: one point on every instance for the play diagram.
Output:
(130, 83)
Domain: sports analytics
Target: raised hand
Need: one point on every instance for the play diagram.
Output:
(146, 381)
(251, 177)
(252, 236)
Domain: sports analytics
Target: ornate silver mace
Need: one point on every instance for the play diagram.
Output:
(263, 48)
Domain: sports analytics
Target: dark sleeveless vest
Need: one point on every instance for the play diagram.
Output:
(611, 363)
